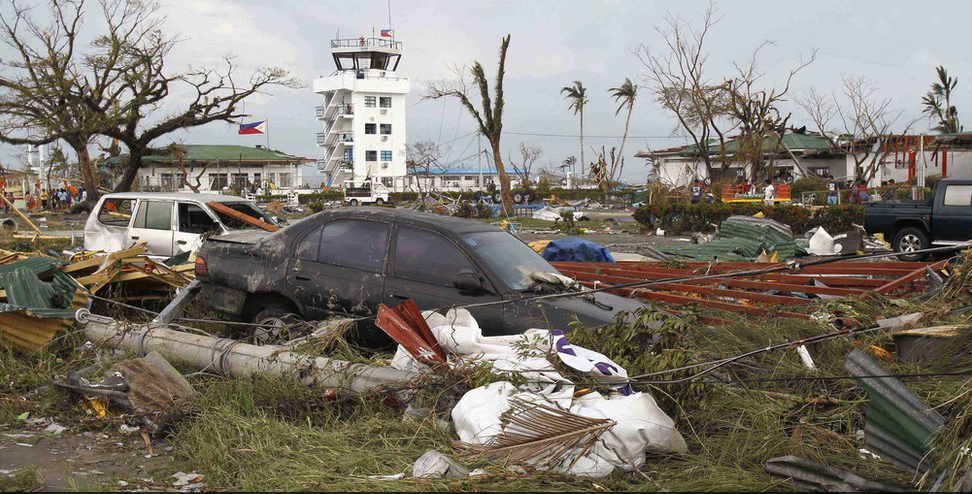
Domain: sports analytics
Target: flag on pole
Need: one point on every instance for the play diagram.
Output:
(253, 128)
(387, 33)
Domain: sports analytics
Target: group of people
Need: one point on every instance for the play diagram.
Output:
(857, 190)
(55, 200)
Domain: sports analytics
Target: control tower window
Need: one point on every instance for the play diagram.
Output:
(385, 102)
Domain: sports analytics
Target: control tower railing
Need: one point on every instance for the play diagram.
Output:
(363, 42)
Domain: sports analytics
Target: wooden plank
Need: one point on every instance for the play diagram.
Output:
(228, 211)
(910, 277)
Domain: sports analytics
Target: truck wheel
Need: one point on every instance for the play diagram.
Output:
(530, 197)
(379, 201)
(276, 326)
(909, 240)
(497, 197)
(353, 202)
(518, 197)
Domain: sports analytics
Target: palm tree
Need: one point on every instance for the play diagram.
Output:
(578, 96)
(625, 96)
(940, 94)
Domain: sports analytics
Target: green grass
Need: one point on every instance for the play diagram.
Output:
(23, 480)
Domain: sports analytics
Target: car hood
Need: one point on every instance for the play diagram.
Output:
(560, 312)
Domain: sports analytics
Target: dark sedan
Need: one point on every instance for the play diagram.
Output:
(349, 261)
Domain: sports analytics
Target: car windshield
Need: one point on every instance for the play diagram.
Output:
(245, 208)
(511, 260)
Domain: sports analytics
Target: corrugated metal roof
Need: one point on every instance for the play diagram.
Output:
(221, 152)
(741, 238)
(900, 426)
(36, 265)
(36, 310)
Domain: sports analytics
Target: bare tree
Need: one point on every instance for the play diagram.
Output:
(756, 109)
(528, 156)
(859, 122)
(676, 77)
(490, 119)
(43, 85)
(421, 157)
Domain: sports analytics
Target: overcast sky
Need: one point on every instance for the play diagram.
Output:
(897, 44)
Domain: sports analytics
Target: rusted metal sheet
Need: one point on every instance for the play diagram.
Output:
(754, 294)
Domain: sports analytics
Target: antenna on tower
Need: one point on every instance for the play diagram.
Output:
(389, 17)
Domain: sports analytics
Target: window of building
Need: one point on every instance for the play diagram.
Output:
(371, 155)
(386, 156)
(958, 195)
(239, 181)
(441, 259)
(385, 102)
(285, 181)
(369, 101)
(167, 182)
(370, 128)
(385, 129)
(154, 215)
(354, 244)
(116, 212)
(217, 181)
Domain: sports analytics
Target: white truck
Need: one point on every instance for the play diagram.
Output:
(365, 192)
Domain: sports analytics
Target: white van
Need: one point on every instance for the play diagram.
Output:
(170, 223)
(366, 192)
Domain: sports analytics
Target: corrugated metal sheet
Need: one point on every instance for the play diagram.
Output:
(812, 476)
(36, 265)
(36, 310)
(742, 238)
(900, 426)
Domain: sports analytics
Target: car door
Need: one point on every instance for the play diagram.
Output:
(952, 216)
(153, 224)
(423, 267)
(338, 268)
(192, 221)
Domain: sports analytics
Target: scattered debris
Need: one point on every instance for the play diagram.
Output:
(573, 249)
(437, 465)
(812, 476)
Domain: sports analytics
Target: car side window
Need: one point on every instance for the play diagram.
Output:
(958, 195)
(354, 244)
(428, 257)
(116, 212)
(193, 219)
(309, 245)
(154, 215)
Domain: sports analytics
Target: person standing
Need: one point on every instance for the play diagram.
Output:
(832, 190)
(769, 193)
(696, 192)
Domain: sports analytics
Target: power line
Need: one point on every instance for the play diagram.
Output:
(573, 136)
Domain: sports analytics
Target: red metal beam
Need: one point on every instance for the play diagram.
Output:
(912, 276)
(682, 300)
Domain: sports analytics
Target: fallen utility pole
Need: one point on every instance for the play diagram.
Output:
(234, 358)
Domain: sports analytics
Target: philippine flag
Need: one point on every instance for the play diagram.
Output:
(253, 128)
(387, 33)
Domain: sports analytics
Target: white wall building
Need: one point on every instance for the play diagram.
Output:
(363, 112)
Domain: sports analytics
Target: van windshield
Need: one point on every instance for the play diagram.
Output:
(245, 208)
(508, 257)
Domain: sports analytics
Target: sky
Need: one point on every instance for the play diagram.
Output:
(896, 44)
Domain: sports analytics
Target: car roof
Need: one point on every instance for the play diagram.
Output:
(175, 196)
(408, 216)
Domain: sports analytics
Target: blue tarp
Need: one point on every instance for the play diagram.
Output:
(577, 250)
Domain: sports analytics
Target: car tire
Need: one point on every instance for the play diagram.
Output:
(353, 202)
(911, 239)
(379, 201)
(518, 198)
(497, 197)
(276, 326)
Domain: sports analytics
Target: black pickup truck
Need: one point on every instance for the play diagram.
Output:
(944, 219)
(348, 261)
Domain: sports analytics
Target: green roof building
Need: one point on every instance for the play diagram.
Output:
(215, 167)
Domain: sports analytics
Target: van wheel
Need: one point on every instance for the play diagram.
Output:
(353, 202)
(910, 240)
(277, 326)
(379, 201)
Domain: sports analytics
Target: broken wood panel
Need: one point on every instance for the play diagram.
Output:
(682, 300)
(910, 277)
(228, 211)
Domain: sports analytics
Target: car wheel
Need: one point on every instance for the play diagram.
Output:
(276, 326)
(518, 197)
(911, 240)
(379, 201)
(497, 197)
(353, 202)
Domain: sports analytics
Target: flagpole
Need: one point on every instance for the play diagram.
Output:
(268, 134)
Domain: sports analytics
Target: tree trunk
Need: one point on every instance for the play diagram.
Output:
(135, 154)
(504, 178)
(87, 172)
(582, 140)
(627, 122)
